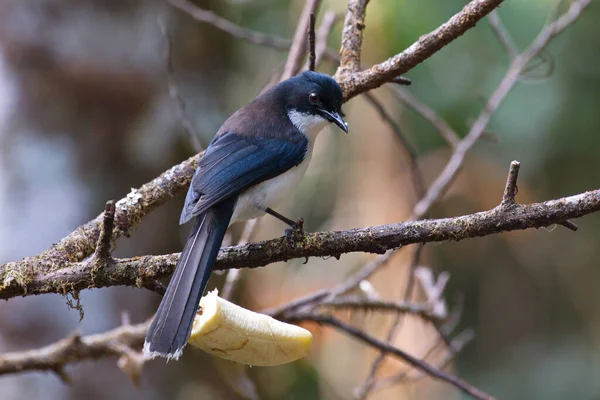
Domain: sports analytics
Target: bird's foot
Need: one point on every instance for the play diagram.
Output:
(296, 232)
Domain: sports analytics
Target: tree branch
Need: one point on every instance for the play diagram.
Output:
(300, 42)
(502, 35)
(388, 349)
(417, 177)
(321, 36)
(510, 191)
(229, 27)
(423, 310)
(312, 56)
(353, 83)
(102, 251)
(447, 176)
(192, 135)
(362, 391)
(431, 116)
(455, 347)
(75, 348)
(17, 280)
(81, 243)
(352, 34)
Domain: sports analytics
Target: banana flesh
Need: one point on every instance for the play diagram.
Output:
(229, 331)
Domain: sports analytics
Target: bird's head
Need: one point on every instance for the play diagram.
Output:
(311, 100)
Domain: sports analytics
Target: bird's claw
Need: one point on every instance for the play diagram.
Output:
(296, 231)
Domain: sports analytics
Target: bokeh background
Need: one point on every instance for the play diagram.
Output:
(85, 115)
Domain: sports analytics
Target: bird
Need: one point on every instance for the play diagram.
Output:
(257, 157)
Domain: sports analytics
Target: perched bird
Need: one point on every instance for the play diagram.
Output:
(254, 161)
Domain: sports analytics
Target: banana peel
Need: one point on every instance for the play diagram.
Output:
(234, 333)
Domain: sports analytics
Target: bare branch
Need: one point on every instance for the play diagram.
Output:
(350, 283)
(299, 44)
(75, 348)
(400, 80)
(352, 34)
(456, 346)
(102, 251)
(377, 239)
(238, 32)
(417, 177)
(362, 391)
(229, 27)
(355, 83)
(434, 119)
(174, 92)
(443, 181)
(510, 191)
(81, 243)
(322, 34)
(569, 225)
(502, 35)
(312, 56)
(234, 275)
(424, 310)
(388, 349)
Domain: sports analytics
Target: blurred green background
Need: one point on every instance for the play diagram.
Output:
(85, 115)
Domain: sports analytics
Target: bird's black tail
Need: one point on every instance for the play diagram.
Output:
(172, 324)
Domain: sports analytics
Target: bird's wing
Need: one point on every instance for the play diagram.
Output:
(233, 163)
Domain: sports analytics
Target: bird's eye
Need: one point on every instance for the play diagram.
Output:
(313, 98)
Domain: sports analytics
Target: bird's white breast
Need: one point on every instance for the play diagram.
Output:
(253, 201)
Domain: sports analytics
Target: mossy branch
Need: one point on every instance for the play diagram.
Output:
(22, 279)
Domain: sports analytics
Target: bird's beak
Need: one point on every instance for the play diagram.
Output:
(336, 118)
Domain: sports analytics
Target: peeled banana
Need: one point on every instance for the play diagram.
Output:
(229, 331)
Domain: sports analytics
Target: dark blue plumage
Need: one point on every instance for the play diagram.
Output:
(233, 163)
(256, 158)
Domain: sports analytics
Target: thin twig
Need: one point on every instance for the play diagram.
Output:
(329, 19)
(363, 390)
(455, 347)
(234, 275)
(454, 165)
(299, 44)
(510, 190)
(502, 34)
(423, 310)
(174, 92)
(102, 252)
(312, 56)
(241, 33)
(331, 293)
(533, 73)
(401, 80)
(75, 348)
(229, 27)
(354, 83)
(388, 349)
(155, 286)
(431, 116)
(417, 177)
(569, 225)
